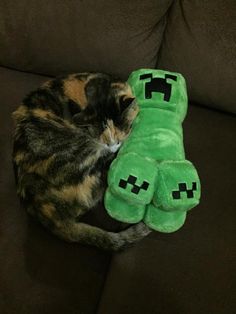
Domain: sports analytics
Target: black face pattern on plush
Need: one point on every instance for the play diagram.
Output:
(157, 84)
(132, 181)
(183, 189)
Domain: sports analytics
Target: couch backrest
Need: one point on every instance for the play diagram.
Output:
(62, 36)
(55, 37)
(200, 42)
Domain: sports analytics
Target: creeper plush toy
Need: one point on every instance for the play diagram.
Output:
(150, 179)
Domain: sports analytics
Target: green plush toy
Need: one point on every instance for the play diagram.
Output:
(150, 179)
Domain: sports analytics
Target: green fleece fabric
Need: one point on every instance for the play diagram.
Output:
(150, 179)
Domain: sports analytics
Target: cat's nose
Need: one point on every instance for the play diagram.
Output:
(114, 146)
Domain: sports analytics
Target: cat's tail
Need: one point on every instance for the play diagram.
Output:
(90, 235)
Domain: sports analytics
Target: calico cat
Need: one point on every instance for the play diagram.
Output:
(67, 133)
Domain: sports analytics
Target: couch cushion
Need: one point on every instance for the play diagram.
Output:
(55, 37)
(38, 273)
(200, 42)
(190, 271)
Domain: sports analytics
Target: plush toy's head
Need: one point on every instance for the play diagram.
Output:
(160, 89)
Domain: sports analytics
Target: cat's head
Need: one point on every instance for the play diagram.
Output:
(110, 111)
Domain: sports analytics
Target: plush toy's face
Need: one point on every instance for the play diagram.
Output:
(160, 89)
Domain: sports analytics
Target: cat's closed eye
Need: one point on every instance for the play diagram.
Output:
(125, 102)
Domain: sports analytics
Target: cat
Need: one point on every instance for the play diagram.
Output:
(67, 132)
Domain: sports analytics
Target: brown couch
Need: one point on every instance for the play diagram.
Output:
(189, 272)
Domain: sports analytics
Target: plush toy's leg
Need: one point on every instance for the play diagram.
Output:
(178, 190)
(164, 221)
(131, 185)
(122, 210)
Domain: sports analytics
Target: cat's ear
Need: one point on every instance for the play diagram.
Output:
(126, 102)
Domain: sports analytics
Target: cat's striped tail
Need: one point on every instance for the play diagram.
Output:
(94, 236)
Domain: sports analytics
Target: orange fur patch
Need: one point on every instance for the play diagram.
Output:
(44, 114)
(41, 166)
(123, 89)
(20, 113)
(81, 192)
(48, 209)
(74, 90)
(20, 156)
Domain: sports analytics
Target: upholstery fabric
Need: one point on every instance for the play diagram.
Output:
(200, 43)
(190, 271)
(55, 37)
